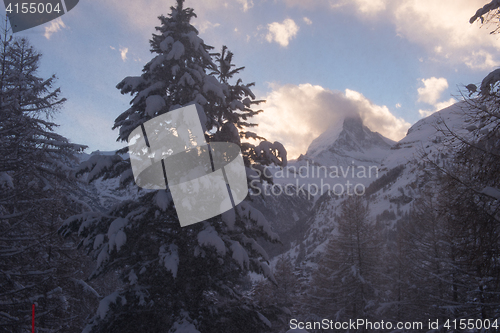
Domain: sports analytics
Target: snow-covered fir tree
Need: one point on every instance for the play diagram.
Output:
(179, 279)
(37, 192)
(474, 235)
(429, 251)
(283, 294)
(345, 284)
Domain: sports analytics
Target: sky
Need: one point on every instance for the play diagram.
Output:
(314, 62)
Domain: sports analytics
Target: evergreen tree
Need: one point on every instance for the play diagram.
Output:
(454, 230)
(430, 276)
(179, 279)
(344, 284)
(451, 242)
(475, 246)
(397, 285)
(283, 294)
(37, 192)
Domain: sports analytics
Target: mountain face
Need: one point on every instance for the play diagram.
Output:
(402, 172)
(344, 158)
(348, 141)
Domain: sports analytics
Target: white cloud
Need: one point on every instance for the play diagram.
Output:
(246, 4)
(398, 105)
(432, 90)
(369, 7)
(282, 33)
(426, 113)
(445, 104)
(204, 26)
(307, 20)
(442, 27)
(55, 26)
(481, 60)
(437, 107)
(378, 118)
(296, 115)
(123, 53)
(442, 23)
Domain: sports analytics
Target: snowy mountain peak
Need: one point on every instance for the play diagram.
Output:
(346, 141)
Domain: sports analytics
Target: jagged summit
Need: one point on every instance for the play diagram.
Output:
(401, 174)
(347, 141)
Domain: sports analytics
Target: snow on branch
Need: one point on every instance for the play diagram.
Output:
(107, 301)
(169, 258)
(130, 83)
(273, 152)
(491, 192)
(210, 237)
(97, 165)
(485, 10)
(489, 81)
(86, 287)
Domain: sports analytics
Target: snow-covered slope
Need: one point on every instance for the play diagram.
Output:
(425, 135)
(398, 183)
